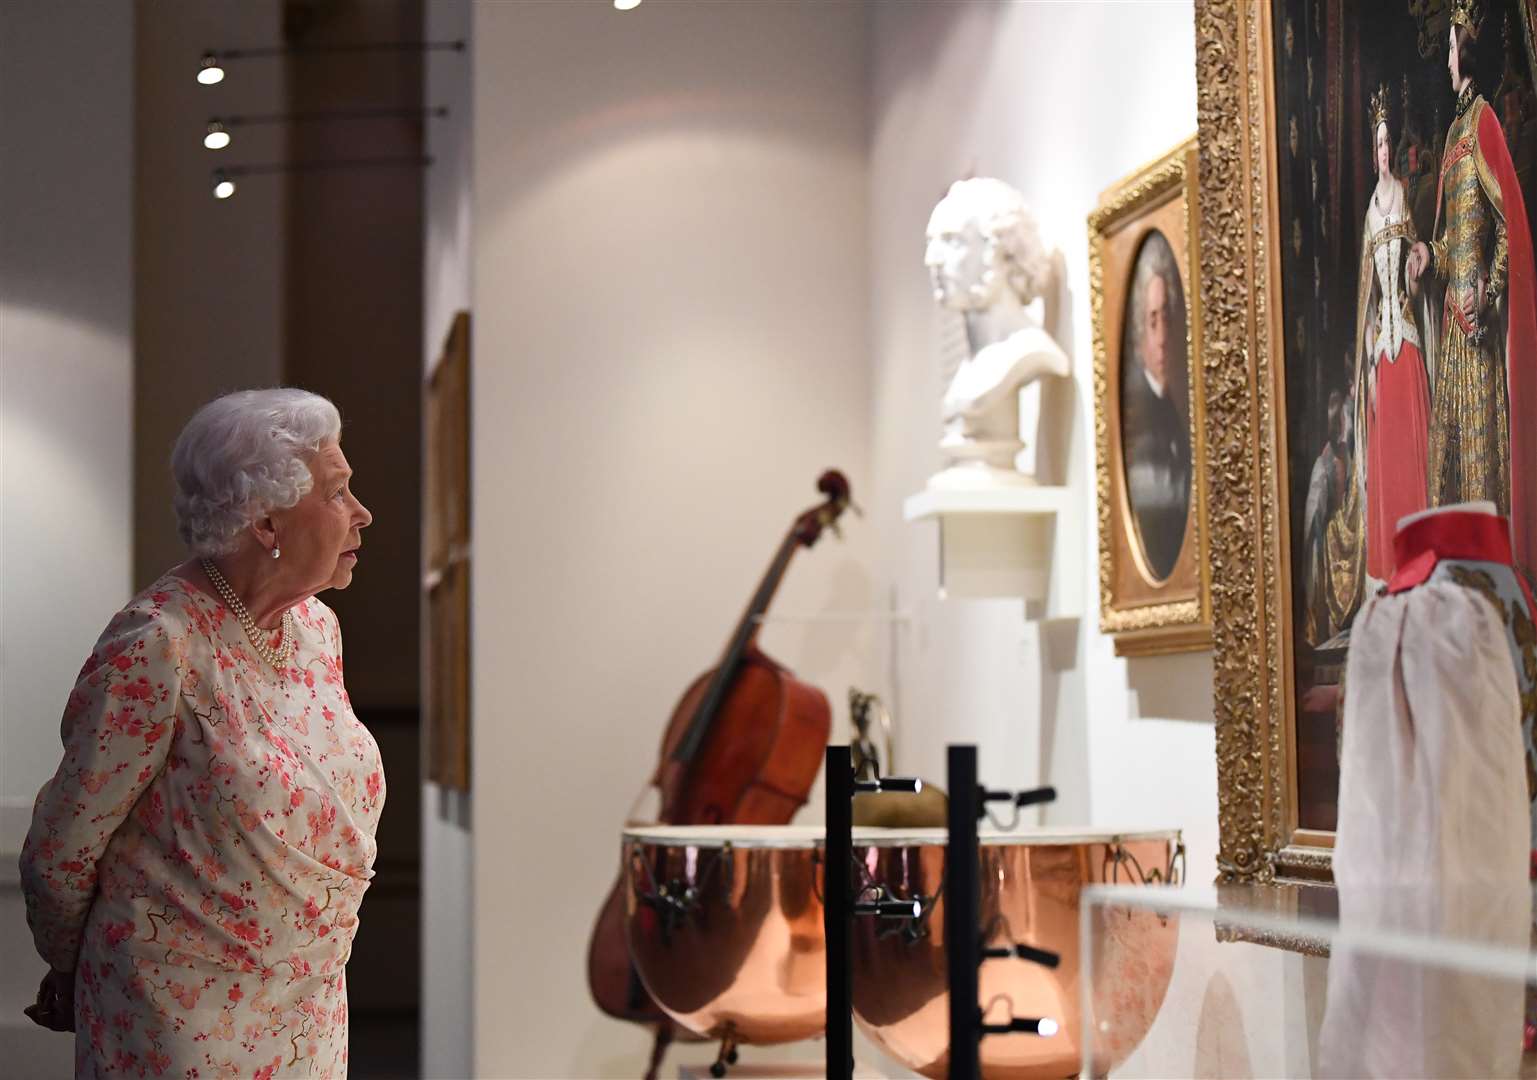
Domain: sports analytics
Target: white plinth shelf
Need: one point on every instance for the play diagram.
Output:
(1007, 542)
(1025, 499)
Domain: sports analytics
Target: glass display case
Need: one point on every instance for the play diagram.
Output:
(1300, 981)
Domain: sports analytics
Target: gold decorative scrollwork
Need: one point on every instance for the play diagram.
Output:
(1242, 441)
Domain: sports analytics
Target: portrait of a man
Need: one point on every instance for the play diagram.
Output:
(1155, 412)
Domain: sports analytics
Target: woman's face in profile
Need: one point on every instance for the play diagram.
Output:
(322, 532)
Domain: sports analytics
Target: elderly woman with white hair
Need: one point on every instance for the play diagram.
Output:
(193, 871)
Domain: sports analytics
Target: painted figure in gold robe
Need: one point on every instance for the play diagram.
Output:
(1483, 426)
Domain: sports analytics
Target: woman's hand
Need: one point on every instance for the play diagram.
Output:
(1419, 259)
(55, 1008)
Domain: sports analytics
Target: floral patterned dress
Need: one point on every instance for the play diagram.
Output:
(200, 855)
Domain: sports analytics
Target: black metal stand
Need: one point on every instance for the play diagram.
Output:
(837, 911)
(963, 939)
(964, 952)
(840, 903)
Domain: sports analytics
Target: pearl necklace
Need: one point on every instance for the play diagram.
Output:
(278, 657)
(1384, 213)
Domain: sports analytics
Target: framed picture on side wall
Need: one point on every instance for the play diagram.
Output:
(446, 584)
(1145, 294)
(1366, 178)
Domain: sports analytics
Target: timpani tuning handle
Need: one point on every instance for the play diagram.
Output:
(1044, 957)
(888, 783)
(1028, 797)
(889, 909)
(1044, 1026)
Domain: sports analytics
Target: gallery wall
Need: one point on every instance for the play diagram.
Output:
(66, 385)
(669, 278)
(958, 90)
(66, 323)
(447, 955)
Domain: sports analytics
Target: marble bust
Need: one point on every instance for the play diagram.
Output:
(987, 261)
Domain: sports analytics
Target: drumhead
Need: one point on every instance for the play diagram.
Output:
(741, 836)
(1042, 835)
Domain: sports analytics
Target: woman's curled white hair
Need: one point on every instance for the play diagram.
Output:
(242, 456)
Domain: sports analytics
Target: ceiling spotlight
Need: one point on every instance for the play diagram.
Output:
(223, 186)
(217, 138)
(626, 5)
(210, 72)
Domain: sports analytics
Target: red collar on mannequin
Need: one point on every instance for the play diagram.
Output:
(1455, 534)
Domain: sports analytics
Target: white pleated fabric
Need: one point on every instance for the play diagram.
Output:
(1434, 838)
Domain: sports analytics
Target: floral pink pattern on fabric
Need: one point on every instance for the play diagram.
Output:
(200, 855)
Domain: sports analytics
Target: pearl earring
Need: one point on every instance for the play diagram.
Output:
(276, 551)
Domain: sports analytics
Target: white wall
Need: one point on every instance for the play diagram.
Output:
(1037, 95)
(66, 334)
(447, 1012)
(963, 88)
(66, 376)
(1062, 101)
(669, 299)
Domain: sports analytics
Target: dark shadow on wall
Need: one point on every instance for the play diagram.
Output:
(352, 330)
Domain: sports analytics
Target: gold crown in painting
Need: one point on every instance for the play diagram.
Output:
(1379, 108)
(1468, 14)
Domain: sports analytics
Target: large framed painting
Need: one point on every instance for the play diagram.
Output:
(1145, 295)
(1367, 288)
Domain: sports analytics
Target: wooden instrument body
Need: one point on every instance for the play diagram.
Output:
(762, 754)
(756, 767)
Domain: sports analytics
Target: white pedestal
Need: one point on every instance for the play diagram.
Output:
(1007, 542)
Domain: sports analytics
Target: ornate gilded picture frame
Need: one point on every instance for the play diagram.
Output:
(1145, 294)
(1309, 111)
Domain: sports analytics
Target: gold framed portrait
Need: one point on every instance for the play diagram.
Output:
(1328, 130)
(1146, 298)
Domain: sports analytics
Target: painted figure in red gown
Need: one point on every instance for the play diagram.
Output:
(1391, 399)
(1392, 390)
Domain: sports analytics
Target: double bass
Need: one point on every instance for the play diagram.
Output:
(744, 745)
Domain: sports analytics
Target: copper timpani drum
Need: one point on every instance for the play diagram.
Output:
(725, 927)
(1029, 891)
